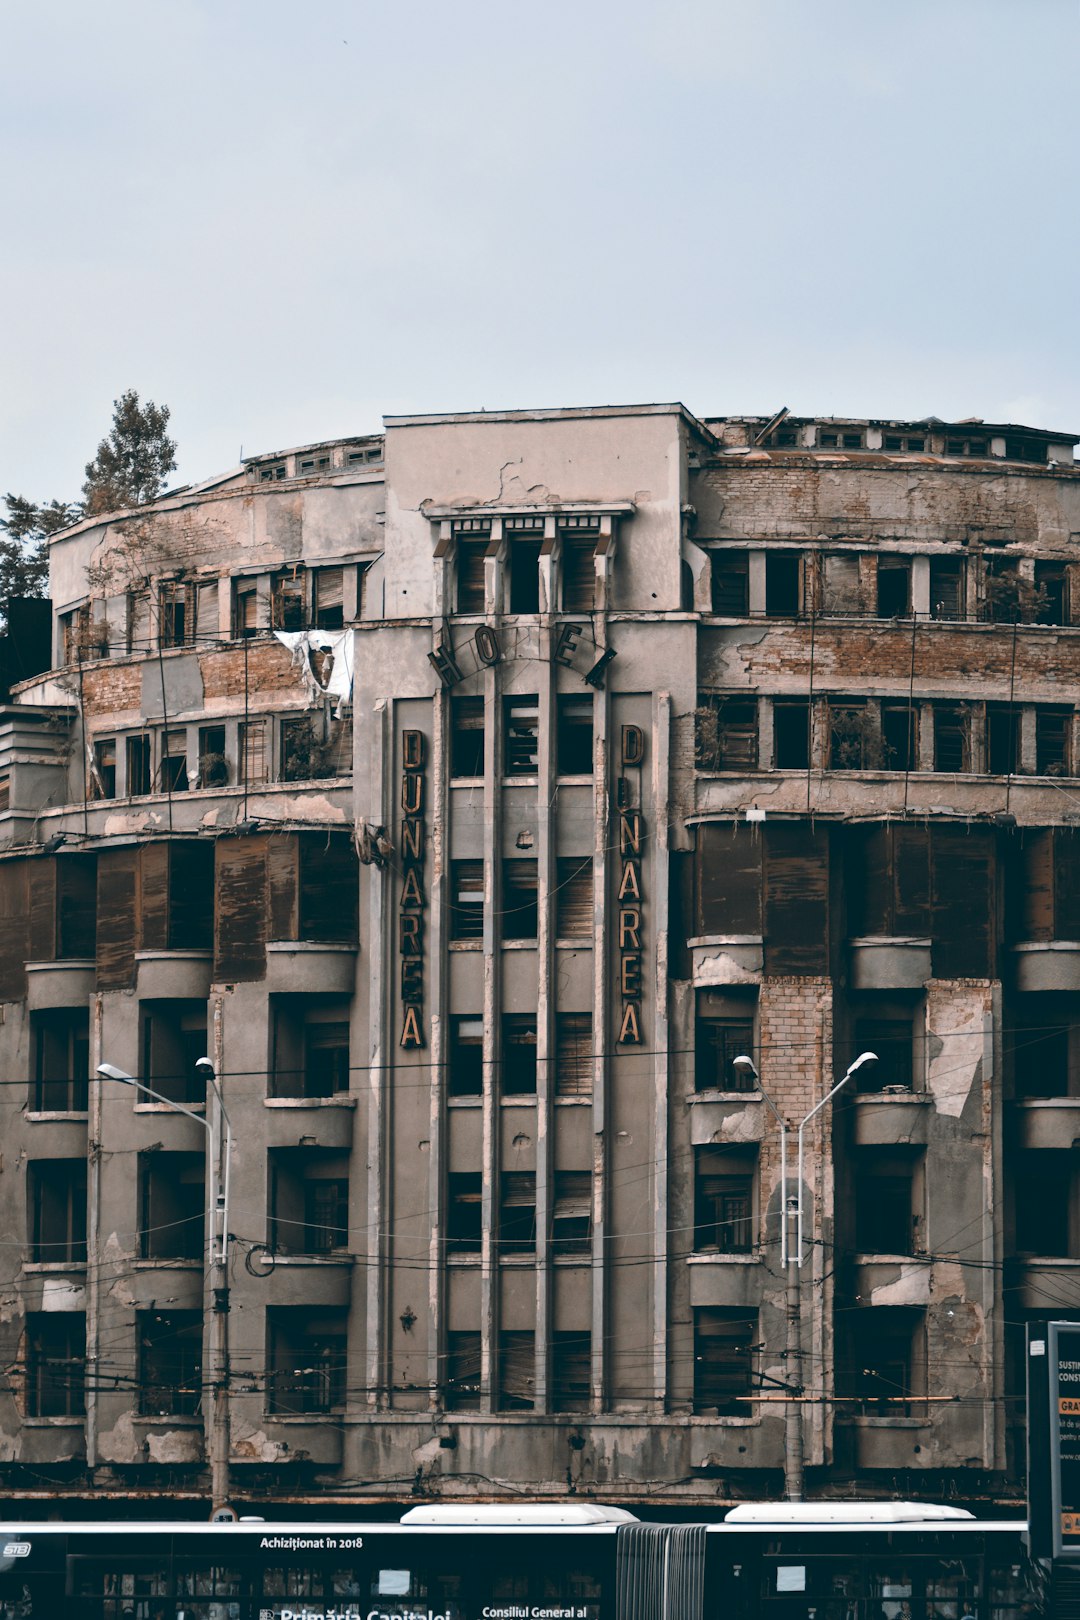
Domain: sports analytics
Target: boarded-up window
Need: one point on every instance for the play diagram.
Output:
(517, 1371)
(1046, 899)
(578, 571)
(116, 930)
(470, 574)
(1066, 884)
(14, 929)
(964, 911)
(573, 1055)
(240, 909)
(574, 898)
(254, 758)
(888, 880)
(571, 1359)
(76, 906)
(42, 909)
(796, 899)
(329, 888)
(176, 895)
(731, 584)
(841, 592)
(728, 864)
(726, 733)
(952, 737)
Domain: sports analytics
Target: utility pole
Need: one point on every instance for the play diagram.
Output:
(791, 1253)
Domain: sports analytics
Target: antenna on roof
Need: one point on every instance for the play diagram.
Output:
(771, 425)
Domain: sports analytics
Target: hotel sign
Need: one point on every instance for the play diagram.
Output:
(413, 885)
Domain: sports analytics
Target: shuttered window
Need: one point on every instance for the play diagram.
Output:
(577, 571)
(517, 1212)
(574, 898)
(519, 900)
(730, 584)
(518, 1076)
(729, 879)
(522, 736)
(470, 574)
(571, 1361)
(571, 1213)
(946, 587)
(517, 1371)
(329, 888)
(464, 1212)
(329, 599)
(465, 1076)
(240, 910)
(796, 899)
(726, 736)
(466, 899)
(116, 912)
(573, 1055)
(723, 1366)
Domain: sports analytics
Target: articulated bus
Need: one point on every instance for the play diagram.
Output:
(531, 1561)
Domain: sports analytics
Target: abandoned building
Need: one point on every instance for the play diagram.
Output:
(474, 796)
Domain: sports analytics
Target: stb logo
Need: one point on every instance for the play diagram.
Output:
(16, 1549)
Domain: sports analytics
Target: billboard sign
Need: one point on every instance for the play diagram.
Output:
(1063, 1377)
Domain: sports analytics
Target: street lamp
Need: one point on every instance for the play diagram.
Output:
(219, 1146)
(791, 1258)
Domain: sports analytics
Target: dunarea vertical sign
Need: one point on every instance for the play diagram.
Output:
(1063, 1342)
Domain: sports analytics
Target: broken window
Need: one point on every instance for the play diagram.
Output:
(782, 574)
(176, 895)
(461, 1388)
(724, 1342)
(841, 591)
(173, 1041)
(571, 1212)
(272, 472)
(76, 907)
(205, 607)
(305, 755)
(574, 897)
(139, 770)
(1043, 1045)
(1002, 739)
(899, 736)
(309, 1200)
(574, 735)
(885, 1026)
(886, 1215)
(213, 761)
(306, 1358)
(577, 567)
(518, 1055)
(328, 888)
(172, 1205)
(310, 1046)
(911, 442)
(724, 1199)
(882, 1362)
(1052, 591)
(1053, 742)
(60, 1037)
(471, 552)
(465, 1062)
(57, 1196)
(521, 735)
(1018, 449)
(138, 621)
(791, 734)
(888, 880)
(328, 605)
(726, 734)
(731, 584)
(517, 1370)
(103, 773)
(466, 899)
(893, 587)
(573, 1055)
(245, 609)
(519, 900)
(1044, 1201)
(517, 1212)
(952, 737)
(947, 587)
(724, 1031)
(175, 616)
(854, 738)
(571, 1370)
(173, 777)
(55, 1363)
(288, 600)
(170, 1363)
(467, 736)
(254, 756)
(523, 557)
(464, 1212)
(959, 444)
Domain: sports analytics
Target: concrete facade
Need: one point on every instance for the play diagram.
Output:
(473, 795)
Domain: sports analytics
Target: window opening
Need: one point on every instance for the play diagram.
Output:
(464, 1212)
(467, 900)
(1002, 739)
(893, 587)
(55, 1363)
(519, 900)
(61, 1039)
(174, 1039)
(723, 1200)
(465, 1076)
(899, 736)
(573, 1055)
(171, 1205)
(946, 587)
(1053, 736)
(782, 570)
(103, 783)
(170, 1363)
(518, 1055)
(726, 733)
(791, 734)
(517, 1212)
(173, 772)
(467, 737)
(213, 762)
(462, 1389)
(517, 1371)
(57, 1211)
(574, 897)
(522, 735)
(307, 1361)
(139, 771)
(951, 738)
(571, 1215)
(724, 1342)
(574, 735)
(571, 1368)
(730, 584)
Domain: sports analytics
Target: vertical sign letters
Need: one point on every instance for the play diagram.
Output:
(413, 893)
(631, 835)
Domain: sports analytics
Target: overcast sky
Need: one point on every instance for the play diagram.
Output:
(284, 220)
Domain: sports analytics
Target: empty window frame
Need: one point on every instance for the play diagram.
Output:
(304, 754)
(571, 1370)
(887, 1030)
(724, 1031)
(213, 761)
(854, 737)
(103, 769)
(57, 1211)
(952, 737)
(726, 737)
(577, 566)
(1018, 449)
(472, 547)
(516, 1391)
(520, 910)
(1053, 742)
(518, 1073)
(60, 1038)
(882, 1361)
(574, 735)
(521, 735)
(288, 600)
(899, 736)
(1002, 739)
(912, 443)
(254, 752)
(525, 538)
(138, 621)
(724, 1342)
(176, 615)
(173, 1041)
(172, 1205)
(574, 897)
(465, 1058)
(466, 737)
(573, 1054)
(783, 572)
(893, 587)
(841, 439)
(55, 1363)
(139, 765)
(169, 1363)
(309, 1201)
(571, 1213)
(1052, 593)
(1045, 1205)
(791, 734)
(517, 1212)
(466, 899)
(841, 585)
(306, 1357)
(1009, 598)
(328, 598)
(947, 593)
(724, 1199)
(464, 1212)
(461, 1384)
(887, 1184)
(731, 584)
(76, 907)
(310, 1046)
(172, 772)
(1042, 1043)
(245, 609)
